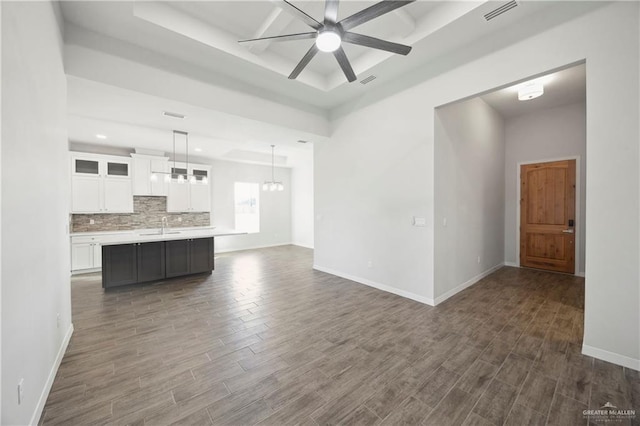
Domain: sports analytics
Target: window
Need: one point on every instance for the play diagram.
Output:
(247, 200)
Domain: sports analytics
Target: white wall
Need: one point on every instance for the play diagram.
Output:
(35, 200)
(552, 133)
(469, 195)
(275, 207)
(0, 221)
(302, 202)
(377, 170)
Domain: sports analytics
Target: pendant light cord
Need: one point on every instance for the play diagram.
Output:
(273, 178)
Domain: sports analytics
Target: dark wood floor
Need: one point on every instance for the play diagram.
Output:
(267, 340)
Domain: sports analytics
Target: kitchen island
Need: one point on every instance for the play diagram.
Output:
(154, 255)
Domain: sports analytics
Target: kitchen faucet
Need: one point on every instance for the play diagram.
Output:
(165, 224)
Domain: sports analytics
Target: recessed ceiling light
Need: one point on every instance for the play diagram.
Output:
(197, 149)
(173, 114)
(101, 136)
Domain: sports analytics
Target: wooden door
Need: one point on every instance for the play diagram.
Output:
(547, 216)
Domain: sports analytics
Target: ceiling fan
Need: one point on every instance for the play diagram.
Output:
(330, 34)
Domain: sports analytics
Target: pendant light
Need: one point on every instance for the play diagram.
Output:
(272, 185)
(181, 177)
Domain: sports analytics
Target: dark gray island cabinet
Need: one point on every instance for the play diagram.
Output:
(133, 263)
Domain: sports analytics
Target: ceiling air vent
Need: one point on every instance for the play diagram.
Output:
(173, 114)
(367, 80)
(302, 141)
(502, 9)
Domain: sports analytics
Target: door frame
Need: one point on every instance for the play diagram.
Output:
(578, 219)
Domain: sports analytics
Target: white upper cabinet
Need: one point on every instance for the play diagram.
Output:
(100, 184)
(184, 196)
(143, 167)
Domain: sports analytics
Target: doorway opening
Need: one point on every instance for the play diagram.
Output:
(481, 145)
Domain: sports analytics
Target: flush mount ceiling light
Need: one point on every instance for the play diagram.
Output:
(530, 91)
(272, 185)
(180, 174)
(330, 34)
(101, 136)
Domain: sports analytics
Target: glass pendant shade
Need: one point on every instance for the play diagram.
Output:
(180, 178)
(272, 185)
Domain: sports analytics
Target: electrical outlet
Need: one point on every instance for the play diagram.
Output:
(92, 222)
(478, 260)
(370, 264)
(58, 320)
(20, 391)
(179, 219)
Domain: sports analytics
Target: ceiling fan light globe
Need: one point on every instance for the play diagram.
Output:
(328, 41)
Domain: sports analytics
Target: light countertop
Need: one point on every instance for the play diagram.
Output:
(151, 235)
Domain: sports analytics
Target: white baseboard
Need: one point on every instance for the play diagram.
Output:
(377, 285)
(612, 357)
(52, 375)
(251, 248)
(468, 283)
(303, 245)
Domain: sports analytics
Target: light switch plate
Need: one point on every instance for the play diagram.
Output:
(419, 221)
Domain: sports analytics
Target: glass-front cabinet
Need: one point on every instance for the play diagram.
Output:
(100, 184)
(189, 189)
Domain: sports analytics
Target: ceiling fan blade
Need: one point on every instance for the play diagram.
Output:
(375, 43)
(372, 12)
(304, 62)
(286, 37)
(331, 11)
(344, 64)
(303, 16)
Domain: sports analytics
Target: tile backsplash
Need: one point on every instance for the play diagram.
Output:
(147, 213)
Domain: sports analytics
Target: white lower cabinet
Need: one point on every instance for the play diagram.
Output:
(86, 254)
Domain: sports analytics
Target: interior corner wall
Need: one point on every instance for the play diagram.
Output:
(35, 243)
(275, 207)
(0, 217)
(302, 203)
(469, 195)
(377, 171)
(548, 134)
